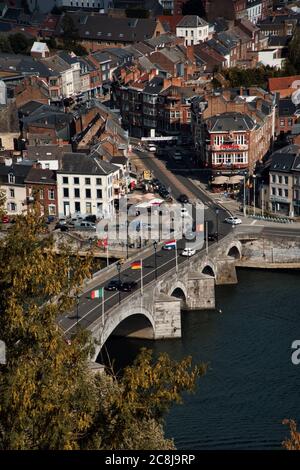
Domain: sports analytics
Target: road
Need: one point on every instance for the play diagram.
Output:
(89, 310)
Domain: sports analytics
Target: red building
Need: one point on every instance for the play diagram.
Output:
(41, 189)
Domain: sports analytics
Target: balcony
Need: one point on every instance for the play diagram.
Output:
(229, 146)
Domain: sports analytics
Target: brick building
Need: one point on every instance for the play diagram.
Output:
(233, 129)
(41, 190)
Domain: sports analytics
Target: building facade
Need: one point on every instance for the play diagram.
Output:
(193, 29)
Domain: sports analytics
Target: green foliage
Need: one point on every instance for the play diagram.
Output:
(79, 50)
(48, 397)
(293, 442)
(133, 407)
(294, 53)
(248, 77)
(19, 43)
(69, 29)
(5, 45)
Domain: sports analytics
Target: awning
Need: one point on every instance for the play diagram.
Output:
(220, 180)
(235, 179)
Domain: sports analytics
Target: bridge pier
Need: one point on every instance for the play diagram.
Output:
(167, 317)
(200, 292)
(226, 272)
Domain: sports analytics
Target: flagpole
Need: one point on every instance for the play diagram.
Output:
(107, 258)
(142, 285)
(176, 260)
(102, 307)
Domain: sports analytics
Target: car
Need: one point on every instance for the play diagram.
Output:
(177, 156)
(212, 236)
(188, 252)
(183, 199)
(113, 285)
(59, 225)
(164, 194)
(168, 247)
(85, 225)
(151, 148)
(233, 220)
(128, 286)
(189, 234)
(184, 212)
(64, 228)
(5, 219)
(91, 218)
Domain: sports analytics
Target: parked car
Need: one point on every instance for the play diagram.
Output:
(91, 218)
(233, 220)
(128, 286)
(177, 156)
(188, 252)
(85, 225)
(183, 199)
(113, 285)
(64, 228)
(151, 148)
(212, 236)
(5, 219)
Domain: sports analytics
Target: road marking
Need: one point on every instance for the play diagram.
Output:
(254, 222)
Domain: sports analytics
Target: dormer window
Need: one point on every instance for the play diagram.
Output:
(11, 178)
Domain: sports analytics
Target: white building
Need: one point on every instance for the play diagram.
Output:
(12, 185)
(65, 79)
(85, 185)
(193, 29)
(254, 10)
(39, 50)
(3, 93)
(271, 57)
(100, 5)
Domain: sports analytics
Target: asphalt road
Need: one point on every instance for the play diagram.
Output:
(89, 310)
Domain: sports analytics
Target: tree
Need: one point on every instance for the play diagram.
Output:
(5, 44)
(130, 414)
(69, 29)
(293, 443)
(45, 399)
(19, 43)
(48, 397)
(294, 51)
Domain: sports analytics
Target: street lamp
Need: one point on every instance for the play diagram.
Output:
(155, 263)
(254, 189)
(217, 222)
(119, 276)
(127, 247)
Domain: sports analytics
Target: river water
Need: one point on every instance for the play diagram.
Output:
(251, 384)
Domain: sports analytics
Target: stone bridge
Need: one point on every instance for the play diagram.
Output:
(157, 314)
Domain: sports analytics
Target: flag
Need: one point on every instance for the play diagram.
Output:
(199, 228)
(171, 243)
(136, 265)
(97, 294)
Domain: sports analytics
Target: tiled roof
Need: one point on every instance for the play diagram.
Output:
(191, 21)
(282, 83)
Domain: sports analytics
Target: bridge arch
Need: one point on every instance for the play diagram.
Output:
(178, 290)
(234, 250)
(208, 268)
(113, 322)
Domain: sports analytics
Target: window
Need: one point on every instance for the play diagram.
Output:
(88, 207)
(286, 180)
(76, 192)
(290, 122)
(12, 207)
(273, 191)
(280, 179)
(65, 180)
(77, 206)
(87, 180)
(66, 192)
(99, 193)
(76, 180)
(99, 181)
(286, 193)
(282, 122)
(11, 193)
(279, 192)
(273, 178)
(51, 194)
(88, 193)
(11, 178)
(41, 194)
(51, 209)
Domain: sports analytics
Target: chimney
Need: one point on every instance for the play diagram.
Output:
(190, 53)
(241, 91)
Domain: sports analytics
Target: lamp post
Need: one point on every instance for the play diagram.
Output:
(244, 197)
(77, 310)
(155, 262)
(119, 278)
(217, 222)
(254, 189)
(262, 198)
(127, 247)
